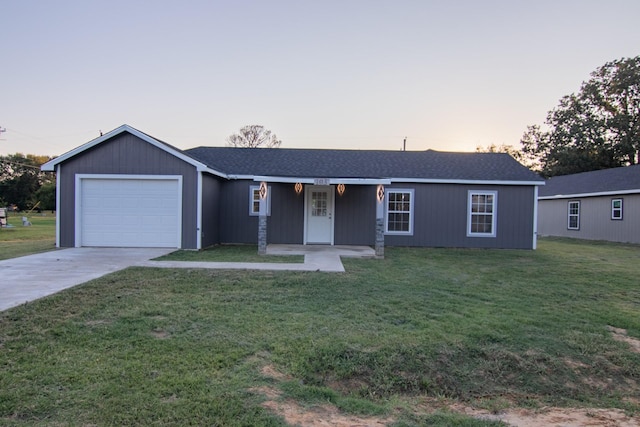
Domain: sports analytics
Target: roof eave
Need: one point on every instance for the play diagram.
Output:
(466, 181)
(594, 194)
(308, 180)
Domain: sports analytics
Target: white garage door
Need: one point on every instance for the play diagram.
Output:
(130, 212)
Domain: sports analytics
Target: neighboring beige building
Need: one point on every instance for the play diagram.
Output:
(598, 205)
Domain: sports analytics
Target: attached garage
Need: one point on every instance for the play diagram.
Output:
(130, 211)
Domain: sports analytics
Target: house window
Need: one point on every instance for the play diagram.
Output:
(399, 217)
(573, 222)
(254, 200)
(481, 221)
(616, 209)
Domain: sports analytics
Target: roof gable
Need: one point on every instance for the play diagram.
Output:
(51, 165)
(606, 181)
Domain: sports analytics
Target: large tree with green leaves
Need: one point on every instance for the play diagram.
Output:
(597, 128)
(21, 178)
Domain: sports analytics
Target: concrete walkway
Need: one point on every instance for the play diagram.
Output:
(316, 258)
(35, 276)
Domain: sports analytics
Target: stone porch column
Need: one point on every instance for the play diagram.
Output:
(262, 220)
(379, 247)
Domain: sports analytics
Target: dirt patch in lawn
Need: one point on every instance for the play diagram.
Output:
(553, 417)
(568, 417)
(160, 334)
(312, 416)
(621, 335)
(320, 416)
(326, 415)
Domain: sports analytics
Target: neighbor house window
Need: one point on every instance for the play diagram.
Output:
(616, 209)
(574, 216)
(399, 217)
(482, 210)
(254, 200)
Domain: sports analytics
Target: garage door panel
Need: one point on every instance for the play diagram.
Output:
(130, 212)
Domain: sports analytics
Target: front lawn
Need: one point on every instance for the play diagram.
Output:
(229, 253)
(390, 340)
(18, 240)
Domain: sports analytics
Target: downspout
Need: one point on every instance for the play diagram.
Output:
(58, 174)
(199, 212)
(535, 217)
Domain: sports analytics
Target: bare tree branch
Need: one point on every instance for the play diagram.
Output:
(254, 136)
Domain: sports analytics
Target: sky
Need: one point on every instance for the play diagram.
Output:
(353, 74)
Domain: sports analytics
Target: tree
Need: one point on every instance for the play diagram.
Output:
(597, 128)
(46, 195)
(21, 177)
(254, 136)
(514, 152)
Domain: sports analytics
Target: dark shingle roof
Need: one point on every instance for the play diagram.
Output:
(606, 180)
(316, 163)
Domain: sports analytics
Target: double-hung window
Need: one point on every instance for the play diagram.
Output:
(482, 208)
(254, 200)
(573, 215)
(399, 211)
(616, 209)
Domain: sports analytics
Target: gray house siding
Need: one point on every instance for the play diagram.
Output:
(236, 226)
(440, 217)
(286, 223)
(126, 154)
(595, 219)
(210, 210)
(355, 216)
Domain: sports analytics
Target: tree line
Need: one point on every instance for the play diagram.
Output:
(596, 128)
(23, 185)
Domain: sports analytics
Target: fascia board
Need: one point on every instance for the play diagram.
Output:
(464, 181)
(601, 193)
(307, 180)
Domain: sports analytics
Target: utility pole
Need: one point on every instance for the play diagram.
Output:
(2, 130)
(404, 144)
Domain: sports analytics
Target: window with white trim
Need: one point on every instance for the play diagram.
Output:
(573, 215)
(399, 211)
(481, 221)
(616, 209)
(254, 200)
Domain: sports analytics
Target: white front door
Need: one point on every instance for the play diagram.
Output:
(319, 214)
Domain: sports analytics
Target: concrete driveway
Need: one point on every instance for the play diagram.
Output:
(35, 276)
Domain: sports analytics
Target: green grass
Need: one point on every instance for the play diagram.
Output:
(18, 240)
(493, 329)
(229, 253)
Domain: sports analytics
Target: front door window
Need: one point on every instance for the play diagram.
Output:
(319, 203)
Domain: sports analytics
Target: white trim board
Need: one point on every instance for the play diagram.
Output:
(598, 194)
